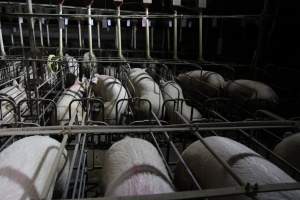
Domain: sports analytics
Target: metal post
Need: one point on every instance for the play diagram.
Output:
(147, 35)
(119, 32)
(66, 36)
(60, 32)
(152, 37)
(98, 33)
(1, 42)
(90, 31)
(168, 38)
(134, 36)
(200, 37)
(31, 26)
(175, 56)
(79, 34)
(116, 37)
(41, 32)
(48, 35)
(21, 31)
(12, 38)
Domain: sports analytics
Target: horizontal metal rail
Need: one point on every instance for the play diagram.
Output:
(132, 16)
(246, 125)
(249, 190)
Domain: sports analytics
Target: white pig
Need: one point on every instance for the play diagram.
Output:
(15, 93)
(171, 90)
(134, 167)
(247, 164)
(250, 90)
(289, 150)
(111, 90)
(25, 166)
(146, 88)
(206, 83)
(74, 92)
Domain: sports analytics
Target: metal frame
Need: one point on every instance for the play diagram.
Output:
(162, 134)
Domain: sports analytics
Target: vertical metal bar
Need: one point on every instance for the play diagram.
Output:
(60, 32)
(168, 39)
(98, 33)
(147, 35)
(12, 38)
(175, 56)
(152, 37)
(79, 34)
(1, 42)
(90, 31)
(21, 31)
(53, 171)
(31, 26)
(41, 32)
(200, 37)
(134, 36)
(119, 32)
(66, 36)
(48, 35)
(116, 37)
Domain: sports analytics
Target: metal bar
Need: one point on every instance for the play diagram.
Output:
(31, 26)
(119, 32)
(175, 56)
(262, 145)
(81, 185)
(79, 163)
(200, 37)
(90, 31)
(12, 39)
(53, 171)
(134, 36)
(60, 32)
(168, 39)
(66, 188)
(79, 34)
(211, 193)
(98, 34)
(152, 37)
(246, 125)
(41, 32)
(20, 20)
(147, 34)
(6, 143)
(132, 16)
(66, 36)
(214, 154)
(48, 34)
(1, 42)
